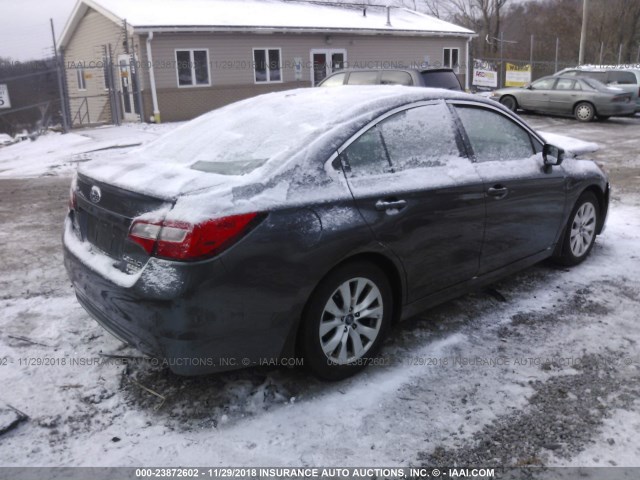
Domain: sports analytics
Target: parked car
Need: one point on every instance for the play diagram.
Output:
(584, 98)
(6, 140)
(431, 77)
(628, 79)
(240, 238)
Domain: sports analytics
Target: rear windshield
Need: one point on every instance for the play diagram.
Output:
(363, 78)
(437, 79)
(595, 84)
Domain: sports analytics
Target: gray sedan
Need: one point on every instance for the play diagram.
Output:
(584, 98)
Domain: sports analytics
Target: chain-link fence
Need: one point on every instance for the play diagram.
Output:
(30, 97)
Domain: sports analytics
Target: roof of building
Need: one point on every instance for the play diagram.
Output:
(261, 15)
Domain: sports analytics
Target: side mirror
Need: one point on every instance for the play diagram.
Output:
(552, 155)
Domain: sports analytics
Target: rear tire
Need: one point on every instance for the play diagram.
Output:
(510, 102)
(580, 232)
(584, 112)
(346, 320)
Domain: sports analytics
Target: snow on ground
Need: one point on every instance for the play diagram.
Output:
(546, 376)
(58, 154)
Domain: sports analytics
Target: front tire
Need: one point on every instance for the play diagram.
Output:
(580, 232)
(584, 112)
(510, 102)
(346, 320)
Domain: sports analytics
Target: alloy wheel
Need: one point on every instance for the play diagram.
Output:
(351, 320)
(583, 229)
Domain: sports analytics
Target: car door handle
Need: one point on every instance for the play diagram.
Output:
(391, 204)
(498, 191)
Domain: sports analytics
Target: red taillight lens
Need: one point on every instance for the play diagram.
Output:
(185, 241)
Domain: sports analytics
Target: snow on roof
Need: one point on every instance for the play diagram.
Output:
(264, 15)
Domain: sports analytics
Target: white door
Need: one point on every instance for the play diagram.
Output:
(127, 87)
(324, 62)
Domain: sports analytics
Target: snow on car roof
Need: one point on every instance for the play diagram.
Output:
(271, 14)
(256, 139)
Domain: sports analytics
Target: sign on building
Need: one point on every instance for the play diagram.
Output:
(485, 74)
(517, 75)
(4, 96)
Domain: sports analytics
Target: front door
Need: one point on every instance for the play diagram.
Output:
(536, 96)
(127, 89)
(324, 62)
(420, 197)
(525, 200)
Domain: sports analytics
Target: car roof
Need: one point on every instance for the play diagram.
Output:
(399, 69)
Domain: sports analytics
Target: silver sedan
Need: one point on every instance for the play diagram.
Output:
(584, 98)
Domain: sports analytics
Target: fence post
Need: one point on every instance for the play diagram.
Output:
(601, 51)
(501, 74)
(63, 104)
(620, 54)
(531, 57)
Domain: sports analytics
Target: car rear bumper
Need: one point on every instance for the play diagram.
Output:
(198, 322)
(616, 109)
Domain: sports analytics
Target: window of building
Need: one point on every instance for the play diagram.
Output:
(451, 58)
(82, 82)
(193, 68)
(266, 65)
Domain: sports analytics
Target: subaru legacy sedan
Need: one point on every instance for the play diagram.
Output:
(302, 224)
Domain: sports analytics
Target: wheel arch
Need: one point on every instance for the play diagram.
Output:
(603, 202)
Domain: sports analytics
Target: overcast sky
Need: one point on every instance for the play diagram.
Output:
(25, 33)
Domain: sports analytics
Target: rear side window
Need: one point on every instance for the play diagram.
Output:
(363, 78)
(420, 137)
(622, 78)
(367, 155)
(493, 136)
(396, 78)
(439, 79)
(334, 80)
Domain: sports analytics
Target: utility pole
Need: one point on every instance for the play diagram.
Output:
(583, 32)
(59, 73)
(557, 52)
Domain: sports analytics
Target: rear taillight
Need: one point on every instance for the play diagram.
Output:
(185, 241)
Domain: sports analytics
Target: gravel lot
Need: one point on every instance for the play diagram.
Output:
(542, 369)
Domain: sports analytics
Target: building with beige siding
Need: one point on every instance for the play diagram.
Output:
(176, 59)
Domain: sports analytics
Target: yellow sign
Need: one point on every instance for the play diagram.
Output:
(517, 75)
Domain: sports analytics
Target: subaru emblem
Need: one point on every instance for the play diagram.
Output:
(95, 194)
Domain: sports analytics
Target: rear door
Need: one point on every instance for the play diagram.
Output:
(420, 196)
(525, 200)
